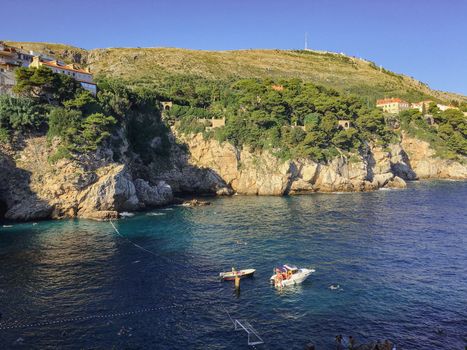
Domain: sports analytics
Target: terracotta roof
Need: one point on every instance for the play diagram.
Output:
(389, 100)
(55, 65)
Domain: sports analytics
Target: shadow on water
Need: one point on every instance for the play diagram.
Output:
(399, 267)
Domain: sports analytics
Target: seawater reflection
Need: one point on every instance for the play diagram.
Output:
(397, 256)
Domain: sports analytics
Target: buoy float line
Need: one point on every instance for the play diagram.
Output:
(16, 325)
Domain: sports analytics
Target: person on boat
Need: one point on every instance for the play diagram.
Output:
(233, 270)
(278, 279)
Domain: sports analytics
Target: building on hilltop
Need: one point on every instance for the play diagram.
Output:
(392, 105)
(83, 76)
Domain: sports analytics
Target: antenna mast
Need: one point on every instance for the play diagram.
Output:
(306, 41)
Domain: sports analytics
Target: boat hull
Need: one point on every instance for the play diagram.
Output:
(295, 279)
(230, 276)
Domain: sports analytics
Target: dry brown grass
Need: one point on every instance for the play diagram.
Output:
(150, 65)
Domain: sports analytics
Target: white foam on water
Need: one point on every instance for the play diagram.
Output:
(334, 287)
(155, 214)
(7, 226)
(127, 214)
(167, 209)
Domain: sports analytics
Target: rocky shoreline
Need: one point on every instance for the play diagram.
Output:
(32, 188)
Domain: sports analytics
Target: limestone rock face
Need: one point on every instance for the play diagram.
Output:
(425, 163)
(95, 187)
(261, 173)
(113, 191)
(396, 182)
(32, 188)
(29, 210)
(152, 196)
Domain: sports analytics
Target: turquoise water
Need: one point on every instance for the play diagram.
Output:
(399, 257)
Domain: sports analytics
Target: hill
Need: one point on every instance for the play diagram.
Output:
(151, 66)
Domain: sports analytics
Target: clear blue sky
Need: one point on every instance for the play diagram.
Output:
(426, 39)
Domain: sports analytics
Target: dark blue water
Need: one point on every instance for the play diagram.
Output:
(399, 257)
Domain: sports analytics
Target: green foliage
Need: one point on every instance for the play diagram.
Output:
(448, 137)
(61, 153)
(4, 135)
(95, 129)
(267, 114)
(44, 85)
(138, 112)
(20, 114)
(65, 124)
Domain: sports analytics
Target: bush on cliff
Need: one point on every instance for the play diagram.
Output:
(448, 136)
(20, 113)
(288, 116)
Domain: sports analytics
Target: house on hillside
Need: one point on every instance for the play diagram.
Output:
(444, 107)
(10, 59)
(422, 106)
(392, 105)
(83, 76)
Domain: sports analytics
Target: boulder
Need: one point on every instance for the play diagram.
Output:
(113, 191)
(30, 209)
(195, 203)
(396, 182)
(151, 196)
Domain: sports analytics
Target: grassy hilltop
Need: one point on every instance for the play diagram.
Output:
(289, 102)
(150, 66)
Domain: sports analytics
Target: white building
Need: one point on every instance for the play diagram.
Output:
(84, 76)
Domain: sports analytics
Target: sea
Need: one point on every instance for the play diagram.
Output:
(390, 264)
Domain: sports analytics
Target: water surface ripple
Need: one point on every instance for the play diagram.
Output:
(399, 258)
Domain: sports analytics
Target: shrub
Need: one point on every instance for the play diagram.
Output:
(20, 113)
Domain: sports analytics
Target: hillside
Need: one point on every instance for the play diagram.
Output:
(150, 66)
(65, 152)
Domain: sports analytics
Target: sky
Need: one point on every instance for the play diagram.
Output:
(425, 39)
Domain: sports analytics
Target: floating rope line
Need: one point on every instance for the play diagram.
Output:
(15, 325)
(130, 241)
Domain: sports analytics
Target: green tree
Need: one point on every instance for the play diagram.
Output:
(95, 129)
(45, 85)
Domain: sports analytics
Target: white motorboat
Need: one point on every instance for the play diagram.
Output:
(288, 275)
(230, 276)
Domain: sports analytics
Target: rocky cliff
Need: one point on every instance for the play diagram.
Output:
(33, 188)
(261, 173)
(98, 188)
(426, 165)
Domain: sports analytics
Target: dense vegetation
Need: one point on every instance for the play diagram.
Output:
(290, 117)
(448, 134)
(56, 104)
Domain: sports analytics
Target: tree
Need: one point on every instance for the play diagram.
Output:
(65, 124)
(346, 139)
(94, 130)
(44, 85)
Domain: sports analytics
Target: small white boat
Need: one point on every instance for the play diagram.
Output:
(288, 275)
(230, 276)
